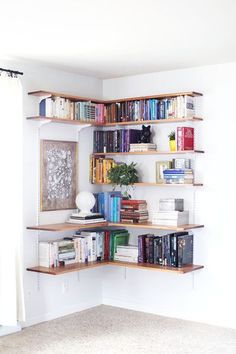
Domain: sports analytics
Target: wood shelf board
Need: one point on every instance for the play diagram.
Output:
(153, 184)
(158, 121)
(66, 226)
(61, 120)
(82, 266)
(68, 268)
(183, 270)
(148, 225)
(163, 95)
(41, 93)
(150, 153)
(96, 124)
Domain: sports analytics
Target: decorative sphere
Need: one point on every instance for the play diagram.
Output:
(85, 201)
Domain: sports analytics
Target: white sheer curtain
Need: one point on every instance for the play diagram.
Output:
(11, 201)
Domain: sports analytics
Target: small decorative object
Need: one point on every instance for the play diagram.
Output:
(160, 167)
(145, 134)
(58, 171)
(123, 175)
(85, 201)
(172, 144)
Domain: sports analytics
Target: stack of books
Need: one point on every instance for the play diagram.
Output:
(150, 109)
(99, 168)
(108, 204)
(126, 254)
(56, 253)
(142, 147)
(171, 213)
(76, 218)
(178, 176)
(174, 250)
(170, 218)
(133, 211)
(115, 140)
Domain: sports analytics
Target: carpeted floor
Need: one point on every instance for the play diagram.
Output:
(111, 330)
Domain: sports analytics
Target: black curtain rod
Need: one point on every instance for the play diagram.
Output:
(12, 71)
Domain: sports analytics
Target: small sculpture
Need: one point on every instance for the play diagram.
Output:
(145, 134)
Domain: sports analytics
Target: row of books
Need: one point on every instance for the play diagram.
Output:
(98, 169)
(89, 111)
(115, 140)
(59, 107)
(150, 109)
(174, 250)
(133, 211)
(84, 246)
(108, 204)
(178, 176)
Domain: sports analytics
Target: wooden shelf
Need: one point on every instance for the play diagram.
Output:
(183, 270)
(75, 98)
(41, 93)
(149, 153)
(92, 123)
(82, 266)
(158, 121)
(153, 184)
(72, 227)
(149, 225)
(63, 121)
(66, 227)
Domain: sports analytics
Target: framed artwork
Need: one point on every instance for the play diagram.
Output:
(58, 182)
(160, 167)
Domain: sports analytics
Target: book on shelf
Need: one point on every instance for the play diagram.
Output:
(185, 138)
(178, 176)
(108, 204)
(141, 147)
(171, 204)
(84, 246)
(91, 216)
(99, 168)
(133, 211)
(126, 254)
(115, 140)
(174, 250)
(59, 107)
(170, 218)
(150, 109)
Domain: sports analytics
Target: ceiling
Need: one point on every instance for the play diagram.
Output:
(113, 38)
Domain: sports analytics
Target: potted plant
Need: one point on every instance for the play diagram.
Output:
(123, 175)
(172, 141)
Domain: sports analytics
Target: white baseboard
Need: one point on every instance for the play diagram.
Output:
(60, 313)
(5, 330)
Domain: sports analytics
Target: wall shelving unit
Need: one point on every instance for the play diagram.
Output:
(62, 227)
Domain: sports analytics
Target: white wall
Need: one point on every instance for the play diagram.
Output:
(207, 295)
(44, 295)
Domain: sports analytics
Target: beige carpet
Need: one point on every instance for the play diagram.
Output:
(111, 330)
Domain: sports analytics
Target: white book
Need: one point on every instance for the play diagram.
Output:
(165, 222)
(173, 215)
(125, 259)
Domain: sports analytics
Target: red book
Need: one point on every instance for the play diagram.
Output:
(185, 138)
(133, 201)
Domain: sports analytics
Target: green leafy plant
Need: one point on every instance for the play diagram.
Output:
(171, 136)
(123, 175)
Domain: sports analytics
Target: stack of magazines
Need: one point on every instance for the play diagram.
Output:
(76, 218)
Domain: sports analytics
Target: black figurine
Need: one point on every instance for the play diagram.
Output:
(145, 136)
